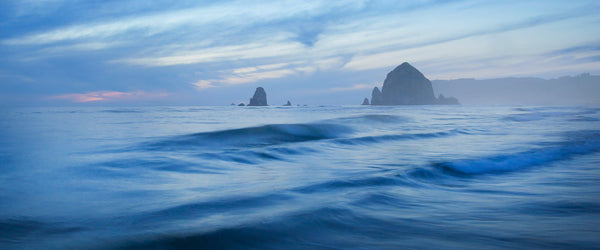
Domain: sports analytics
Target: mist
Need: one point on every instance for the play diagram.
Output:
(582, 89)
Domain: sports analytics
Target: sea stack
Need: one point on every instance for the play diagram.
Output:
(288, 104)
(405, 85)
(259, 98)
(365, 101)
(376, 98)
(447, 100)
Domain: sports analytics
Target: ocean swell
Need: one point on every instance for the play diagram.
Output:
(266, 135)
(577, 143)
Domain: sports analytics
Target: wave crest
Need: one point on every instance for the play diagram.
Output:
(265, 135)
(579, 143)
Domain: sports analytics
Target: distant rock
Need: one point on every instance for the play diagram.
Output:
(259, 98)
(365, 101)
(405, 85)
(376, 97)
(446, 100)
(288, 104)
(241, 104)
(232, 104)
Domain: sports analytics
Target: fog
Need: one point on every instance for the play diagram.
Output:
(570, 90)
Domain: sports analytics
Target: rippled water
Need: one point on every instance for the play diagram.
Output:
(300, 177)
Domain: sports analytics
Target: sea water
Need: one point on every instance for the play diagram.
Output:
(327, 177)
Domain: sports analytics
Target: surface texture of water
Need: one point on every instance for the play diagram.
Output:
(300, 177)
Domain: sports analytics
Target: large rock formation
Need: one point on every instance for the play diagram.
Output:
(405, 85)
(259, 98)
(288, 103)
(376, 97)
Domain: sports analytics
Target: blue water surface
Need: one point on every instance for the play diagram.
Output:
(329, 177)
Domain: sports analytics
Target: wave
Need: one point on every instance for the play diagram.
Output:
(17, 230)
(318, 228)
(272, 134)
(581, 118)
(131, 167)
(545, 113)
(579, 143)
(371, 181)
(195, 210)
(265, 135)
(122, 111)
(380, 138)
(365, 119)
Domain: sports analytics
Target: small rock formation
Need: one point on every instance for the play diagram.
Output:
(365, 101)
(288, 104)
(259, 98)
(447, 100)
(376, 97)
(405, 85)
(241, 104)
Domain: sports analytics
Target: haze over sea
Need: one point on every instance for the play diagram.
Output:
(326, 177)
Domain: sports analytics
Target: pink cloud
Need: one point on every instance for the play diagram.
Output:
(97, 96)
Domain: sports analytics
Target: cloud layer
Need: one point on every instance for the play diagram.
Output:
(70, 46)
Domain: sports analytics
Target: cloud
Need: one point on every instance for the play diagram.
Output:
(237, 14)
(369, 40)
(305, 44)
(591, 47)
(269, 71)
(353, 87)
(260, 68)
(203, 84)
(386, 59)
(247, 75)
(97, 96)
(257, 76)
(215, 54)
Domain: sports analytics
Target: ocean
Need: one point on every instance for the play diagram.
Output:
(310, 177)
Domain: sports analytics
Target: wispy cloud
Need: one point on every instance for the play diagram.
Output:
(203, 84)
(372, 42)
(214, 54)
(237, 14)
(248, 74)
(312, 45)
(385, 59)
(98, 96)
(360, 86)
(269, 71)
(257, 76)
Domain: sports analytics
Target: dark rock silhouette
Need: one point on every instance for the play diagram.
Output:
(446, 100)
(241, 104)
(365, 101)
(288, 103)
(259, 98)
(405, 85)
(376, 97)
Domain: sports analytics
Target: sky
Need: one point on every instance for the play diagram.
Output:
(158, 52)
